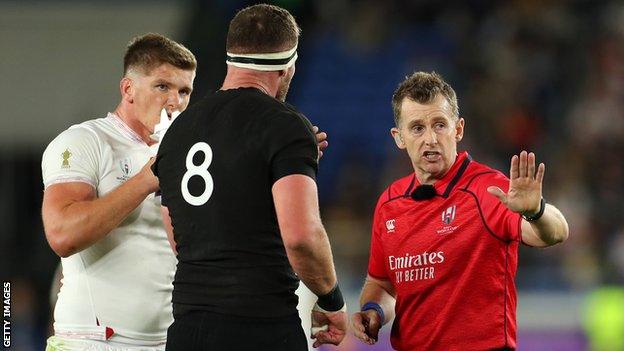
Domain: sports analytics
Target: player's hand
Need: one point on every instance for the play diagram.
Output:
(321, 138)
(328, 327)
(147, 177)
(525, 185)
(366, 326)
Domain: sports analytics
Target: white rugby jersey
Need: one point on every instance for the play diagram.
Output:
(123, 283)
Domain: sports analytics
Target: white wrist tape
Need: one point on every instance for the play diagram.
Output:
(324, 327)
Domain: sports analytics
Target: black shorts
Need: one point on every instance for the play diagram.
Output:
(215, 332)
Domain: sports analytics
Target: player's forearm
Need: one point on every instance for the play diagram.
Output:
(81, 224)
(312, 260)
(552, 227)
(376, 292)
(305, 240)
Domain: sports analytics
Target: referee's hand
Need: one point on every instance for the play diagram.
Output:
(525, 184)
(366, 326)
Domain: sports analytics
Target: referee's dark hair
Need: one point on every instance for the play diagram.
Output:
(261, 29)
(423, 87)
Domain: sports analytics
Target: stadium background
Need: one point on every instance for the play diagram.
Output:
(543, 75)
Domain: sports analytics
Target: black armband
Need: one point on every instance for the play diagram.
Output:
(332, 301)
(538, 215)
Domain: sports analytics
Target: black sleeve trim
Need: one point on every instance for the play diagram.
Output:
(289, 166)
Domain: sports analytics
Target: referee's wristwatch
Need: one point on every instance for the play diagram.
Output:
(538, 215)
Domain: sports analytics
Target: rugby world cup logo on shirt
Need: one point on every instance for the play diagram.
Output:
(125, 166)
(449, 215)
(390, 226)
(66, 155)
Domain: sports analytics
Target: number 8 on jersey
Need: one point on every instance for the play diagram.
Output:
(198, 170)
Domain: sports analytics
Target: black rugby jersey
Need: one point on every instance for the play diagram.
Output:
(216, 166)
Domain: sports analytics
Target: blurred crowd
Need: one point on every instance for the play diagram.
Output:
(546, 76)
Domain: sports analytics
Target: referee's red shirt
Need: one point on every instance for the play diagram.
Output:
(452, 260)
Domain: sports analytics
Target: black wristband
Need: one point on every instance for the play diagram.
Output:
(332, 301)
(538, 215)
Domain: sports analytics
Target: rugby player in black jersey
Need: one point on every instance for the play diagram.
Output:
(237, 175)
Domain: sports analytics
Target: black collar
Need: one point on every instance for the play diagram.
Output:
(428, 191)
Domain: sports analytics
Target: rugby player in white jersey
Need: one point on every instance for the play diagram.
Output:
(101, 215)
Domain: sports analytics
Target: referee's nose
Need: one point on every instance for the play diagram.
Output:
(430, 137)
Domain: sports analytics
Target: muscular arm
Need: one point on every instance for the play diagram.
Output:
(307, 246)
(74, 218)
(552, 228)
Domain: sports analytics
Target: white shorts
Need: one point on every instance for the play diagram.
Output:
(59, 343)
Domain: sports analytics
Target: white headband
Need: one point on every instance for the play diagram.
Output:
(275, 61)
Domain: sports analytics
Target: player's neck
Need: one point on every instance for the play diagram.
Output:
(267, 82)
(134, 123)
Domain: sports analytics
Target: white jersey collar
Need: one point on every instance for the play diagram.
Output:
(124, 128)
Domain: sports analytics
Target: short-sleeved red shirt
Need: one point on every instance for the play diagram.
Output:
(452, 260)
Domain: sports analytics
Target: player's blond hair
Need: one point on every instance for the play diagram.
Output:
(151, 50)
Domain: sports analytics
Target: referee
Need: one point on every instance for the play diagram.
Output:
(237, 174)
(444, 245)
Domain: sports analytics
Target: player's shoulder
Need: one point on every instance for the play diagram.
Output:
(279, 116)
(82, 138)
(396, 190)
(479, 176)
(85, 132)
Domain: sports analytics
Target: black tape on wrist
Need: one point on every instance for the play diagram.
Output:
(332, 301)
(538, 215)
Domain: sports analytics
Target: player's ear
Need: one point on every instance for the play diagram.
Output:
(459, 129)
(398, 139)
(126, 87)
(286, 72)
(282, 73)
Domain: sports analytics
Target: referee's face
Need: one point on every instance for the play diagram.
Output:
(429, 133)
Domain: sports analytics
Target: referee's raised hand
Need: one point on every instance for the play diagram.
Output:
(525, 185)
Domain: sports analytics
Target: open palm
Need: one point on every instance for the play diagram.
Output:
(525, 185)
